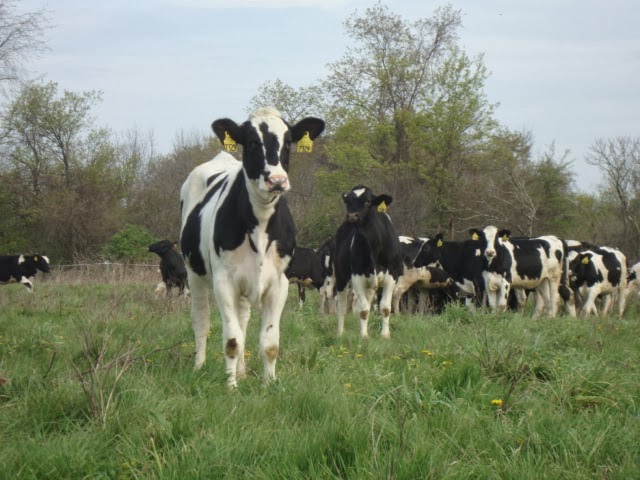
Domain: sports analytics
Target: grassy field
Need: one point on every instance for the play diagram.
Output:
(99, 384)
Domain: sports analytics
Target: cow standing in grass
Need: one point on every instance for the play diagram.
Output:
(21, 268)
(238, 235)
(172, 269)
(368, 257)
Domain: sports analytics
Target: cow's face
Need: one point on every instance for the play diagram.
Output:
(161, 247)
(491, 239)
(266, 140)
(360, 202)
(37, 261)
(581, 268)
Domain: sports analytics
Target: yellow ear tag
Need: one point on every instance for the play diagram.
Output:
(475, 236)
(305, 144)
(35, 259)
(440, 243)
(229, 143)
(585, 260)
(382, 207)
(505, 238)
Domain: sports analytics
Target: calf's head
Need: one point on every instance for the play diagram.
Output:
(266, 143)
(162, 247)
(37, 261)
(491, 239)
(360, 202)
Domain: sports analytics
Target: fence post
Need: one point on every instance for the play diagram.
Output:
(106, 270)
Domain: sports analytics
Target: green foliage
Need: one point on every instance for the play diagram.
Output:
(129, 244)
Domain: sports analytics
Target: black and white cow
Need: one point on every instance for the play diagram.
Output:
(20, 268)
(368, 257)
(525, 263)
(172, 268)
(305, 270)
(600, 271)
(462, 260)
(420, 278)
(238, 235)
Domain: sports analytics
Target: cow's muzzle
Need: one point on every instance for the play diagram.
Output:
(277, 183)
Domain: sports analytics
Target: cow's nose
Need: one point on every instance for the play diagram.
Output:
(352, 217)
(491, 253)
(278, 182)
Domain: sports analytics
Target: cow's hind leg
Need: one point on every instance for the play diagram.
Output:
(272, 305)
(342, 298)
(244, 311)
(200, 316)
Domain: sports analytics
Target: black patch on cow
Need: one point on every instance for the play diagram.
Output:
(213, 177)
(281, 228)
(234, 218)
(190, 238)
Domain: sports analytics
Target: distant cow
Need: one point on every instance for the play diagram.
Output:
(633, 280)
(326, 254)
(462, 260)
(368, 257)
(172, 268)
(418, 276)
(238, 235)
(20, 268)
(525, 263)
(600, 271)
(305, 270)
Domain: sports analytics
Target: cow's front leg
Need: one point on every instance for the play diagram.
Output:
(342, 298)
(200, 316)
(364, 291)
(244, 311)
(388, 286)
(272, 305)
(232, 335)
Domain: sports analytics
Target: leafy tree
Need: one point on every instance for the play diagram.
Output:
(129, 244)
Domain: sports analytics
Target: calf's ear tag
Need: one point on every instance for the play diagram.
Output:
(382, 207)
(305, 144)
(585, 260)
(439, 244)
(505, 238)
(35, 258)
(229, 143)
(475, 236)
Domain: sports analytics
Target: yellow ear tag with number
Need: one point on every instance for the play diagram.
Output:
(305, 144)
(585, 260)
(382, 207)
(229, 143)
(475, 236)
(440, 243)
(505, 238)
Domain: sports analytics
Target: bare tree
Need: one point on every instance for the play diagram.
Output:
(21, 39)
(619, 160)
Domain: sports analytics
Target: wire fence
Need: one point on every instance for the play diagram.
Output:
(103, 272)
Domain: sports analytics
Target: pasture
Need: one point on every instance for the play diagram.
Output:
(100, 384)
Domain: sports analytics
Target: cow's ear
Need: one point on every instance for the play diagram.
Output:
(311, 125)
(228, 130)
(504, 235)
(377, 200)
(344, 197)
(475, 233)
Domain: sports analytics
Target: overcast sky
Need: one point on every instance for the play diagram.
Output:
(567, 71)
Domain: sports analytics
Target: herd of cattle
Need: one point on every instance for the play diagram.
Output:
(238, 241)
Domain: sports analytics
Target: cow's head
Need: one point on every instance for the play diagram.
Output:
(430, 254)
(266, 142)
(361, 202)
(162, 247)
(491, 239)
(36, 261)
(581, 268)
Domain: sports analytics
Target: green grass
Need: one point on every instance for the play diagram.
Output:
(100, 384)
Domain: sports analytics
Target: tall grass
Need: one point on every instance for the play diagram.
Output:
(100, 385)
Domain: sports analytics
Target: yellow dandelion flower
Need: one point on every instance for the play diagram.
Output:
(247, 353)
(347, 385)
(395, 357)
(497, 402)
(359, 355)
(427, 353)
(340, 356)
(446, 363)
